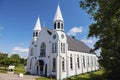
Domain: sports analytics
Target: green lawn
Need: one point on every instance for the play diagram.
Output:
(97, 75)
(3, 70)
(16, 71)
(44, 78)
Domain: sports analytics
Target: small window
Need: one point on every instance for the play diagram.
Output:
(58, 25)
(54, 25)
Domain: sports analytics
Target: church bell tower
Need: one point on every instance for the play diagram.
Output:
(58, 20)
(36, 29)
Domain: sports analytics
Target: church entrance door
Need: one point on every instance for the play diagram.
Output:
(41, 69)
(46, 70)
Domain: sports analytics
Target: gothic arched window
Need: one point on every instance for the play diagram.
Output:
(32, 51)
(58, 25)
(52, 47)
(43, 50)
(36, 34)
(84, 61)
(30, 63)
(55, 47)
(78, 62)
(54, 65)
(54, 25)
(71, 62)
(61, 25)
(63, 64)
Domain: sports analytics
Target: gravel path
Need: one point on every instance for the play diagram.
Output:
(11, 76)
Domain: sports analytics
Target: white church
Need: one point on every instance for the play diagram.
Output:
(53, 53)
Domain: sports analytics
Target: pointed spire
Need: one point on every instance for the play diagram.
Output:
(58, 15)
(37, 25)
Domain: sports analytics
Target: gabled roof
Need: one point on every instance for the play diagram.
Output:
(77, 45)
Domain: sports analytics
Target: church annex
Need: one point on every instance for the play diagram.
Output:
(53, 53)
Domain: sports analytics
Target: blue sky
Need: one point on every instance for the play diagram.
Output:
(18, 17)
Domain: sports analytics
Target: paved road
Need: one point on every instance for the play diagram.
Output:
(11, 76)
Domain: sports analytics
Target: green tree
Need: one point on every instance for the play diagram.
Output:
(5, 61)
(106, 14)
(23, 61)
(16, 59)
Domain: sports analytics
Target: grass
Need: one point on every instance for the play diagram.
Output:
(97, 75)
(3, 70)
(16, 71)
(20, 69)
(44, 78)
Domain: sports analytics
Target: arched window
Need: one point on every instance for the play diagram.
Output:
(52, 47)
(84, 61)
(43, 50)
(71, 62)
(88, 61)
(30, 64)
(61, 25)
(54, 25)
(55, 47)
(32, 51)
(58, 25)
(91, 61)
(54, 65)
(78, 62)
(63, 64)
(36, 34)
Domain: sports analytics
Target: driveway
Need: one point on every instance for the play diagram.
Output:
(11, 76)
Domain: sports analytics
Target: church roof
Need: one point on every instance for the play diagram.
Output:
(58, 15)
(77, 45)
(37, 25)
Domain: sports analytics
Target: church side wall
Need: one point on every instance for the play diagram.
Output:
(88, 64)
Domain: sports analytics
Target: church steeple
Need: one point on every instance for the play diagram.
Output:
(37, 28)
(58, 20)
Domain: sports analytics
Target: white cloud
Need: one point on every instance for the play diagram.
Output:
(87, 41)
(20, 50)
(90, 42)
(74, 31)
